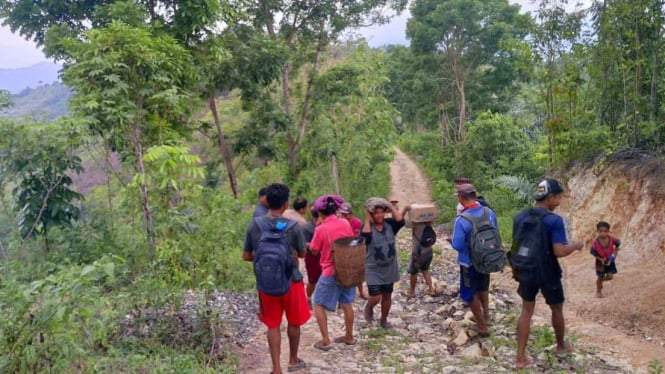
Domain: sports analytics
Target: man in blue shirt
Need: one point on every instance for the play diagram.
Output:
(261, 208)
(547, 197)
(474, 285)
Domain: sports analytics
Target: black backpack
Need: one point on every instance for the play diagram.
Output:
(428, 237)
(273, 262)
(485, 248)
(529, 254)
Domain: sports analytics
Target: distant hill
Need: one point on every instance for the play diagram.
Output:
(42, 103)
(16, 80)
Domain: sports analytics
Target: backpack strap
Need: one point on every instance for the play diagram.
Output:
(475, 220)
(264, 224)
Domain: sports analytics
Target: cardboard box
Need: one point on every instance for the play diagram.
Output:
(423, 213)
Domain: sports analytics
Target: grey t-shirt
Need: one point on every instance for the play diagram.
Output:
(294, 237)
(381, 265)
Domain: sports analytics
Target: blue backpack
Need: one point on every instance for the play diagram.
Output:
(273, 262)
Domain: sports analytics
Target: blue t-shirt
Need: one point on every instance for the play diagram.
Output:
(462, 231)
(260, 210)
(556, 232)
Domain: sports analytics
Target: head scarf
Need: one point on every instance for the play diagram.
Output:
(376, 202)
(322, 201)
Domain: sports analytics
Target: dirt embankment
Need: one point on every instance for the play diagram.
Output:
(630, 195)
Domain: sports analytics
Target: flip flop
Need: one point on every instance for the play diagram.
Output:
(319, 345)
(342, 339)
(300, 365)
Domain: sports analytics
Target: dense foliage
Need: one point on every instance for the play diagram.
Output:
(181, 110)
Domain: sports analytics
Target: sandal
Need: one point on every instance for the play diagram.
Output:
(342, 339)
(319, 345)
(300, 365)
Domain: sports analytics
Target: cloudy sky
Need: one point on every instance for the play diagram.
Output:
(17, 52)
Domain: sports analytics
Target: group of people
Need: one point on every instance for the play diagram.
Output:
(332, 218)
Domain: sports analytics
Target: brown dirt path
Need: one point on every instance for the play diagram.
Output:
(410, 185)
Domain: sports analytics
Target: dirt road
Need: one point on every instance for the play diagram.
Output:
(409, 185)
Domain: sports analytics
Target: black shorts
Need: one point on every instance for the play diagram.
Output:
(421, 259)
(602, 269)
(553, 292)
(378, 289)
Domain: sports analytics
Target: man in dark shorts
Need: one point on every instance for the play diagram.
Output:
(294, 302)
(381, 263)
(421, 259)
(548, 196)
(474, 285)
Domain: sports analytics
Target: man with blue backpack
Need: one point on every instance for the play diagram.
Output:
(480, 252)
(539, 239)
(274, 243)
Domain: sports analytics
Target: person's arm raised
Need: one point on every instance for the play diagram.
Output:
(397, 215)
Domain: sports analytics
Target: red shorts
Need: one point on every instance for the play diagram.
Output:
(294, 303)
(313, 267)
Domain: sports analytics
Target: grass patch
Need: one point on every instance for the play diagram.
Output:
(655, 367)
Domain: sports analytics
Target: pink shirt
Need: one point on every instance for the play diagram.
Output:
(356, 224)
(325, 234)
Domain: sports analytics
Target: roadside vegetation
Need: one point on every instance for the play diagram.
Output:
(185, 109)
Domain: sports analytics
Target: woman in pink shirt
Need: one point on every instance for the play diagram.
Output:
(328, 293)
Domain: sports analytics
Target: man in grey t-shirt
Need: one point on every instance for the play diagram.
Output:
(381, 265)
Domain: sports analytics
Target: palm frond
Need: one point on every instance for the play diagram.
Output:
(522, 187)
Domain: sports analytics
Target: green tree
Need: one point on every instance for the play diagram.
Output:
(38, 159)
(131, 86)
(554, 35)
(306, 29)
(497, 145)
(627, 68)
(470, 35)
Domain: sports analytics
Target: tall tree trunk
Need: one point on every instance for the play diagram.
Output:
(143, 188)
(295, 143)
(224, 148)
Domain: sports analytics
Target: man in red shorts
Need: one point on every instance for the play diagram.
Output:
(294, 301)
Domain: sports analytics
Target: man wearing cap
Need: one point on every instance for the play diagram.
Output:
(547, 197)
(474, 285)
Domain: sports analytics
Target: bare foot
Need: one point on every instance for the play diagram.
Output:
(599, 295)
(523, 363)
(409, 294)
(369, 314)
(566, 349)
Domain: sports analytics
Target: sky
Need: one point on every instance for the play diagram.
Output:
(18, 52)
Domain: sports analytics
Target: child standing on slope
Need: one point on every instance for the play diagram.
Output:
(604, 248)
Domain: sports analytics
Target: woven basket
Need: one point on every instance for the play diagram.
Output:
(349, 258)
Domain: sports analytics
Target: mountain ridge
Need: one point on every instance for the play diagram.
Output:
(16, 80)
